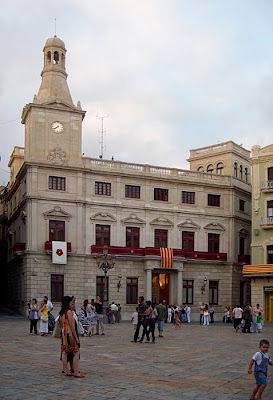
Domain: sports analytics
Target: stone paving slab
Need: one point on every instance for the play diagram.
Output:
(192, 363)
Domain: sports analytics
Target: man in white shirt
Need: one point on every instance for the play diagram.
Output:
(237, 313)
(49, 304)
(188, 312)
(114, 309)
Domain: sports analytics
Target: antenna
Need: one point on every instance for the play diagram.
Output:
(101, 135)
(55, 27)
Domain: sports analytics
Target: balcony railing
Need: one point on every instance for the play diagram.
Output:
(18, 247)
(48, 247)
(267, 185)
(155, 251)
(244, 259)
(267, 222)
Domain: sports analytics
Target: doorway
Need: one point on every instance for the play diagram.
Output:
(160, 287)
(268, 312)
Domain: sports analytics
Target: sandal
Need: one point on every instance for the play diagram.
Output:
(78, 376)
(68, 374)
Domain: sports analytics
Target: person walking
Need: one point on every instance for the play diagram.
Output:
(161, 311)
(255, 312)
(247, 315)
(237, 313)
(140, 310)
(206, 314)
(99, 311)
(146, 321)
(33, 316)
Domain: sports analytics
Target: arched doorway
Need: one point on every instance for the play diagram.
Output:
(160, 287)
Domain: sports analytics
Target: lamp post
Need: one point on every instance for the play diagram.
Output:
(105, 262)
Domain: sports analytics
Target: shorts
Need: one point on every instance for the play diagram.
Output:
(161, 325)
(261, 378)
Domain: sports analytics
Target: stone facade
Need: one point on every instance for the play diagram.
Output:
(212, 214)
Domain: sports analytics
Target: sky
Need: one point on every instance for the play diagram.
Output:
(172, 75)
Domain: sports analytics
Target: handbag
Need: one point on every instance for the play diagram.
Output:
(44, 318)
(57, 329)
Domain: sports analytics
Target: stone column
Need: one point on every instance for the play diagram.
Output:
(148, 294)
(180, 285)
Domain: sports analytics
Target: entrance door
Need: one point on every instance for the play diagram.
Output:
(269, 306)
(160, 287)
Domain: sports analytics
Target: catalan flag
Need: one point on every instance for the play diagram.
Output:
(258, 269)
(166, 257)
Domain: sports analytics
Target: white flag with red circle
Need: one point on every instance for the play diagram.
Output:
(59, 253)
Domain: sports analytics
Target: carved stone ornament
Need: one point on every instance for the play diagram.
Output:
(57, 157)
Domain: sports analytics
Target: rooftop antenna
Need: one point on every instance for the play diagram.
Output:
(101, 134)
(55, 27)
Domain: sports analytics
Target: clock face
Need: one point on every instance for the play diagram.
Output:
(57, 127)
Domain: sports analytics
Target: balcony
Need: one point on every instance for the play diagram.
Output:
(155, 251)
(267, 222)
(267, 185)
(48, 247)
(18, 248)
(244, 259)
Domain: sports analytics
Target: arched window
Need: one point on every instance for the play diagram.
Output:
(63, 60)
(56, 57)
(200, 169)
(241, 172)
(48, 57)
(220, 168)
(235, 169)
(210, 169)
(246, 175)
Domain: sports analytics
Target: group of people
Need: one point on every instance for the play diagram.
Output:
(177, 314)
(113, 313)
(205, 312)
(247, 317)
(42, 313)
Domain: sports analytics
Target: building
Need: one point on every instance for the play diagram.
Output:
(260, 272)
(55, 195)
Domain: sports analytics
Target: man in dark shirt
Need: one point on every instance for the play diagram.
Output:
(140, 310)
(99, 311)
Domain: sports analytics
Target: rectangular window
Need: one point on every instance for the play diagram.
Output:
(103, 235)
(270, 174)
(270, 254)
(242, 205)
(132, 291)
(132, 237)
(57, 231)
(187, 292)
(132, 192)
(103, 188)
(56, 183)
(214, 200)
(160, 194)
(57, 288)
(213, 292)
(188, 197)
(241, 245)
(188, 240)
(270, 208)
(161, 238)
(100, 287)
(213, 242)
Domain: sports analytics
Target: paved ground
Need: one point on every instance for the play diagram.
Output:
(195, 362)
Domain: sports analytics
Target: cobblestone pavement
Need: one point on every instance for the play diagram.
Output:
(194, 362)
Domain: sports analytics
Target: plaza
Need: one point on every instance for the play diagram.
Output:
(193, 362)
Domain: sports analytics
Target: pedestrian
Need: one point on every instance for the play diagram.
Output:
(109, 315)
(140, 310)
(201, 313)
(49, 304)
(99, 311)
(134, 319)
(33, 316)
(259, 322)
(228, 317)
(146, 320)
(170, 314)
(188, 311)
(43, 318)
(114, 309)
(70, 339)
(211, 314)
(183, 316)
(261, 359)
(119, 313)
(255, 312)
(225, 315)
(247, 316)
(206, 314)
(237, 313)
(177, 320)
(161, 311)
(151, 329)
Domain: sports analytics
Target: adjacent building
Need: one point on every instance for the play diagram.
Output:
(260, 272)
(57, 197)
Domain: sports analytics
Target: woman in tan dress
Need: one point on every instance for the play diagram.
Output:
(69, 340)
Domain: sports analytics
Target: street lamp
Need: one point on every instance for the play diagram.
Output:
(105, 262)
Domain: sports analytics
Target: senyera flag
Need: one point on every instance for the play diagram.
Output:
(59, 253)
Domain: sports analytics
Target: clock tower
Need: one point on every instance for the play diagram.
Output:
(53, 124)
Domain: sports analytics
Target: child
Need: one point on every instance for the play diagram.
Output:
(134, 318)
(259, 322)
(177, 320)
(261, 360)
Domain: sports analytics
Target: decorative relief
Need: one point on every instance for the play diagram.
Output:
(188, 224)
(162, 221)
(103, 217)
(133, 219)
(57, 213)
(57, 157)
(215, 226)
